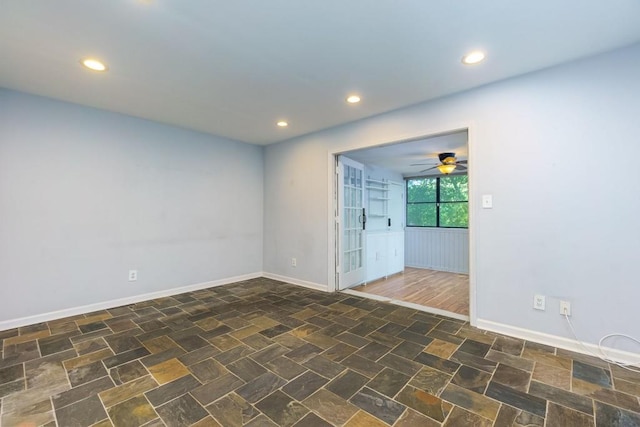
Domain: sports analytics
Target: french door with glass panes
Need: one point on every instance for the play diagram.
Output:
(351, 244)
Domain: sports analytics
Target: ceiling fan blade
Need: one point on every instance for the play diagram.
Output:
(462, 162)
(422, 164)
(428, 169)
(461, 167)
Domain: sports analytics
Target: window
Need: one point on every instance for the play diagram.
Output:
(438, 202)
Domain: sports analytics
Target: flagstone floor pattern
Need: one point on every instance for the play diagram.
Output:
(265, 353)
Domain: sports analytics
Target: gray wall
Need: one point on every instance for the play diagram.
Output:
(86, 195)
(558, 150)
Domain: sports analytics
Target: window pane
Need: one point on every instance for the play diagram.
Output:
(422, 215)
(421, 190)
(454, 188)
(454, 214)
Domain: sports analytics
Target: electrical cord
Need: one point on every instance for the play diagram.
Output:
(602, 356)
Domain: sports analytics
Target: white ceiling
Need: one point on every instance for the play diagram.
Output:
(399, 157)
(235, 67)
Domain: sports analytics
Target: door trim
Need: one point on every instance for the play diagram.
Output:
(357, 276)
(470, 127)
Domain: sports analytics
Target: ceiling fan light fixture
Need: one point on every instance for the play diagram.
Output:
(449, 160)
(446, 168)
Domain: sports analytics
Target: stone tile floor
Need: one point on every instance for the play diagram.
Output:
(264, 353)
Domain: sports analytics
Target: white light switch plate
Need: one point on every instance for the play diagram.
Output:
(487, 201)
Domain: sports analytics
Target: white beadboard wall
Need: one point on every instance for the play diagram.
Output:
(444, 249)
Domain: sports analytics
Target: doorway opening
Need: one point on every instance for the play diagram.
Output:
(402, 223)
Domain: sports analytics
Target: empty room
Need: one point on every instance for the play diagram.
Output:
(328, 213)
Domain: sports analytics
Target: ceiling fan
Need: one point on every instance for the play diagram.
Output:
(448, 164)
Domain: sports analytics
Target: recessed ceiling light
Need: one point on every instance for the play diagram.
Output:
(282, 124)
(93, 64)
(473, 57)
(353, 99)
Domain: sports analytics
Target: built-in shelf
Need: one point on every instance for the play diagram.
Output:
(377, 181)
(377, 203)
(384, 245)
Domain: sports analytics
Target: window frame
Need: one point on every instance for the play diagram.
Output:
(437, 202)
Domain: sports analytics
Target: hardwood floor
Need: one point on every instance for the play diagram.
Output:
(431, 288)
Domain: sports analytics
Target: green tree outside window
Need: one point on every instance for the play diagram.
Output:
(438, 202)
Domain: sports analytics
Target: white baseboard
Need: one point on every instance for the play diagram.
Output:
(514, 331)
(418, 307)
(557, 341)
(53, 315)
(436, 267)
(293, 281)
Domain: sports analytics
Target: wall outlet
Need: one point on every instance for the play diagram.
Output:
(133, 275)
(565, 308)
(294, 262)
(539, 302)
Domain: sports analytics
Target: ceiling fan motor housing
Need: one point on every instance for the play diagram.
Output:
(447, 158)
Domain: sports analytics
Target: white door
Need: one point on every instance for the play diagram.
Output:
(351, 262)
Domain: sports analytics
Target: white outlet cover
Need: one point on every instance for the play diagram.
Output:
(563, 305)
(487, 201)
(539, 302)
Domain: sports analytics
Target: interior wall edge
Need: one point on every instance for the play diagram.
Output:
(557, 341)
(294, 281)
(84, 309)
